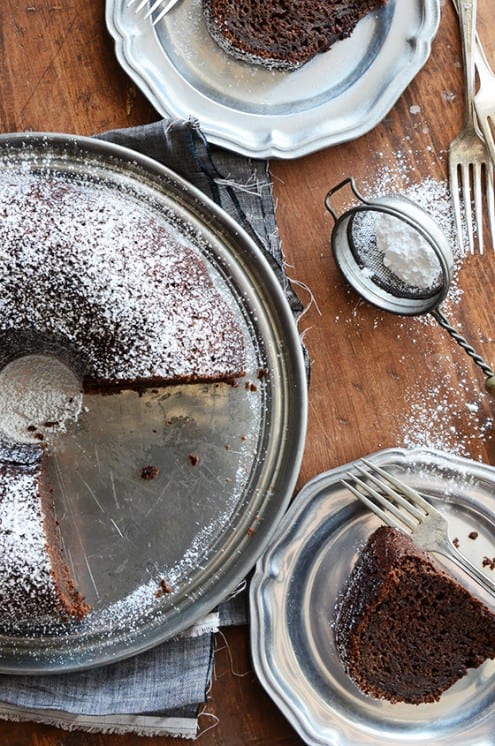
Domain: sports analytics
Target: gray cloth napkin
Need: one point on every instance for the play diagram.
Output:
(160, 692)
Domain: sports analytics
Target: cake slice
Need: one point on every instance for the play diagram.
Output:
(405, 629)
(282, 34)
(35, 582)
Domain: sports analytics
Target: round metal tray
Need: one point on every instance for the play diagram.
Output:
(200, 526)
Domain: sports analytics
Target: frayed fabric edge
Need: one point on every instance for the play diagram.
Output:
(207, 625)
(140, 725)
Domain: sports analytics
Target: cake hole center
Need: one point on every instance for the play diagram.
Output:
(39, 395)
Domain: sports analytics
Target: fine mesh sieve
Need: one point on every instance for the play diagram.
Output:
(374, 244)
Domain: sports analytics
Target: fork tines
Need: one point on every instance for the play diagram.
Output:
(393, 507)
(472, 188)
(401, 507)
(154, 6)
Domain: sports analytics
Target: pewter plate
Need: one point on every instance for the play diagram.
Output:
(199, 527)
(336, 97)
(296, 587)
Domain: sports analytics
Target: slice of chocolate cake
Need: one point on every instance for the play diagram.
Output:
(405, 629)
(282, 34)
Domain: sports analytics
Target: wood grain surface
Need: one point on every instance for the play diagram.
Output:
(378, 380)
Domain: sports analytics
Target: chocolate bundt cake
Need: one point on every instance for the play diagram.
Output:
(104, 286)
(282, 34)
(113, 293)
(34, 579)
(405, 629)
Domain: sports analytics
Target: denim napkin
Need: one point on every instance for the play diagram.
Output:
(161, 691)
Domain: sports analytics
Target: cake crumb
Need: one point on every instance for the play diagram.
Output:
(193, 459)
(456, 542)
(150, 472)
(164, 587)
(489, 562)
(473, 535)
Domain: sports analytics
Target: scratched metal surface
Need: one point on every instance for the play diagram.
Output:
(228, 456)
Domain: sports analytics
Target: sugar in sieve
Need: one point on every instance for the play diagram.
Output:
(376, 244)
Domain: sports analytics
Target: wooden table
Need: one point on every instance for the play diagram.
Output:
(378, 380)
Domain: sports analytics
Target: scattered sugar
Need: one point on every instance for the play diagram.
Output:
(449, 96)
(434, 421)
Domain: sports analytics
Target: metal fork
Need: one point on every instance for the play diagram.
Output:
(469, 157)
(484, 107)
(400, 506)
(484, 99)
(154, 6)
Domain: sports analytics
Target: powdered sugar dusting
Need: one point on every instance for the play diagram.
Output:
(107, 280)
(26, 582)
(38, 396)
(140, 550)
(97, 278)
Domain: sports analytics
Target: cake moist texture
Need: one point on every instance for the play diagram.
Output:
(405, 629)
(282, 34)
(103, 285)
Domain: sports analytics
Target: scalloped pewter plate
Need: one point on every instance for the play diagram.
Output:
(336, 97)
(295, 589)
(200, 526)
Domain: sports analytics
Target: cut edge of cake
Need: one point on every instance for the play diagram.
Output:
(36, 583)
(282, 36)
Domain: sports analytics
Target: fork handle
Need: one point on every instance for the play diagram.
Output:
(467, 19)
(479, 54)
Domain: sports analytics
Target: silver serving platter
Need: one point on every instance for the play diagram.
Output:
(296, 587)
(199, 528)
(336, 97)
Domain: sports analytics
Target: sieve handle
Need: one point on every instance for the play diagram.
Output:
(349, 181)
(462, 342)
